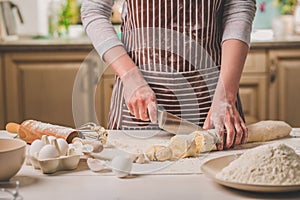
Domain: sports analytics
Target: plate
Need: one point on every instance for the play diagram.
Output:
(211, 167)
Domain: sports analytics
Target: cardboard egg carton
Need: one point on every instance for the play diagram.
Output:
(67, 159)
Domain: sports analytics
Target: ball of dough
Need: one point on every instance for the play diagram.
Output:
(183, 146)
(205, 140)
(159, 153)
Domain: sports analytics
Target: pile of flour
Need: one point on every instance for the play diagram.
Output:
(272, 164)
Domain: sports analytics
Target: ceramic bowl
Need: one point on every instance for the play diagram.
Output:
(12, 156)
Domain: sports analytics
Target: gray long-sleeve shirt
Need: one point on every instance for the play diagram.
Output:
(237, 22)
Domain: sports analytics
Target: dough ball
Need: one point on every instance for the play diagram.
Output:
(183, 146)
(205, 140)
(159, 153)
(140, 157)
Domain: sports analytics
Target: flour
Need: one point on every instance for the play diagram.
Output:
(273, 164)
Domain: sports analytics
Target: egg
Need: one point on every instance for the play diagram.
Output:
(63, 146)
(35, 147)
(48, 151)
(121, 165)
(45, 139)
(51, 138)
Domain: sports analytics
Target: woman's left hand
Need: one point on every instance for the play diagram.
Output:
(225, 115)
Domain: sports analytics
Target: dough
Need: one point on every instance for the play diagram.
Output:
(268, 130)
(140, 157)
(205, 140)
(258, 132)
(183, 146)
(159, 153)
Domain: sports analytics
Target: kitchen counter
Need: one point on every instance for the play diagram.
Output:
(27, 43)
(85, 184)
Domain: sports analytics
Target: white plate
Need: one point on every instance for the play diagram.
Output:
(211, 167)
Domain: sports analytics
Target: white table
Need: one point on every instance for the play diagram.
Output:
(35, 185)
(83, 184)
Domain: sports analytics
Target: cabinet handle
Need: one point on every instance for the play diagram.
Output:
(273, 71)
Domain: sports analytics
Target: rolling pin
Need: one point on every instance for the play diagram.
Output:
(31, 130)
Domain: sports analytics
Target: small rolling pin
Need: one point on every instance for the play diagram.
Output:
(31, 130)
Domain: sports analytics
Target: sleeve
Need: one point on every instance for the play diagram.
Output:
(95, 16)
(238, 16)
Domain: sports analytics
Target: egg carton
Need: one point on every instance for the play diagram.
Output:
(51, 155)
(52, 165)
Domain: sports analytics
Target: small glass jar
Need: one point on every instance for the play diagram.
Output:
(54, 16)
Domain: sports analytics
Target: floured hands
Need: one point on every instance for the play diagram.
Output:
(139, 97)
(228, 123)
(225, 118)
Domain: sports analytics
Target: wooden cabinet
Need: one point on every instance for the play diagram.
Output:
(2, 95)
(254, 87)
(106, 87)
(285, 86)
(92, 91)
(39, 85)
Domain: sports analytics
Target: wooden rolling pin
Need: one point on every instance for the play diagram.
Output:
(31, 130)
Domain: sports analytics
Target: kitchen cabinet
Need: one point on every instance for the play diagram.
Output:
(106, 87)
(39, 85)
(285, 85)
(253, 86)
(2, 95)
(37, 81)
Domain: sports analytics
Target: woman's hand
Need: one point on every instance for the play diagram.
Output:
(139, 97)
(225, 115)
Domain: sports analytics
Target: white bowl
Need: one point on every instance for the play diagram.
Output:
(12, 156)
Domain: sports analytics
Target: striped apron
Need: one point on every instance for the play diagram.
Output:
(177, 46)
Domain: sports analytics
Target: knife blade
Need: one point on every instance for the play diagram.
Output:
(176, 125)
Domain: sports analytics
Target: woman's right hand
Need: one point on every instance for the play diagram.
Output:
(139, 97)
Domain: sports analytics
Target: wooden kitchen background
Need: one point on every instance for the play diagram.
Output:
(37, 76)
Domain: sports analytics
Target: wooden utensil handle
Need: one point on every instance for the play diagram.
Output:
(12, 127)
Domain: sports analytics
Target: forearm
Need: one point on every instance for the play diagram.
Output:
(234, 53)
(95, 15)
(96, 20)
(118, 59)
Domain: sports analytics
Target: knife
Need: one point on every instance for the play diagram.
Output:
(176, 125)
